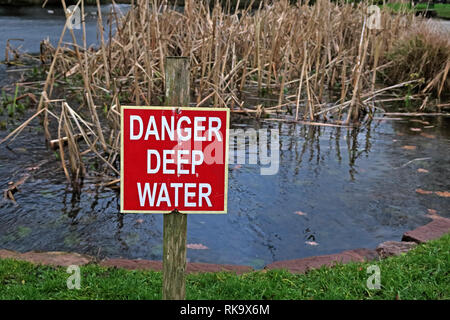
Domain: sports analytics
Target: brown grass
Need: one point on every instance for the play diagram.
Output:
(423, 53)
(289, 56)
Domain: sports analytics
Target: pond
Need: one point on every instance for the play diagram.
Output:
(336, 189)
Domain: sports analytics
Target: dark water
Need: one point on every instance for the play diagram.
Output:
(352, 184)
(356, 187)
(33, 24)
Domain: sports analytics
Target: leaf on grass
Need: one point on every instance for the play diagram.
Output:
(301, 213)
(426, 135)
(421, 170)
(421, 191)
(311, 243)
(196, 246)
(444, 194)
(409, 147)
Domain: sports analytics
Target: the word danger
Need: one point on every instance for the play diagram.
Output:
(168, 128)
(163, 160)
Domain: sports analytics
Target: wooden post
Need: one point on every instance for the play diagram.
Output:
(177, 77)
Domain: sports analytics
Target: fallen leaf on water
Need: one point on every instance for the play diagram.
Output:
(426, 135)
(238, 166)
(300, 213)
(409, 147)
(444, 194)
(140, 221)
(421, 191)
(432, 211)
(311, 243)
(422, 170)
(196, 246)
(415, 129)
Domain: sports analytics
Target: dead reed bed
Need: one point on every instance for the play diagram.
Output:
(289, 57)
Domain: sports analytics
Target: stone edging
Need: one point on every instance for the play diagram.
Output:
(433, 230)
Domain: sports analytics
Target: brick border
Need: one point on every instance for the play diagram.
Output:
(433, 230)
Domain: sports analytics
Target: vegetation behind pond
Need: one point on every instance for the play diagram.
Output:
(283, 54)
(441, 10)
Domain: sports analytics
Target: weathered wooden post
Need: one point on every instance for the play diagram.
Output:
(177, 77)
(148, 186)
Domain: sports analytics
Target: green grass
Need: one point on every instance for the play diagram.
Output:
(423, 273)
(442, 9)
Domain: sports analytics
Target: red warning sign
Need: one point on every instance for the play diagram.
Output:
(174, 158)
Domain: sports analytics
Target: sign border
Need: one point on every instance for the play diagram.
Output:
(227, 110)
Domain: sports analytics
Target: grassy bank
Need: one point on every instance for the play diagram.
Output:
(442, 9)
(423, 273)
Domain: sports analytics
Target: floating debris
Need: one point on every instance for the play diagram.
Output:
(426, 135)
(196, 246)
(420, 121)
(444, 194)
(13, 188)
(421, 191)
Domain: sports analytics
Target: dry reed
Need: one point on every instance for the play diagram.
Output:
(291, 56)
